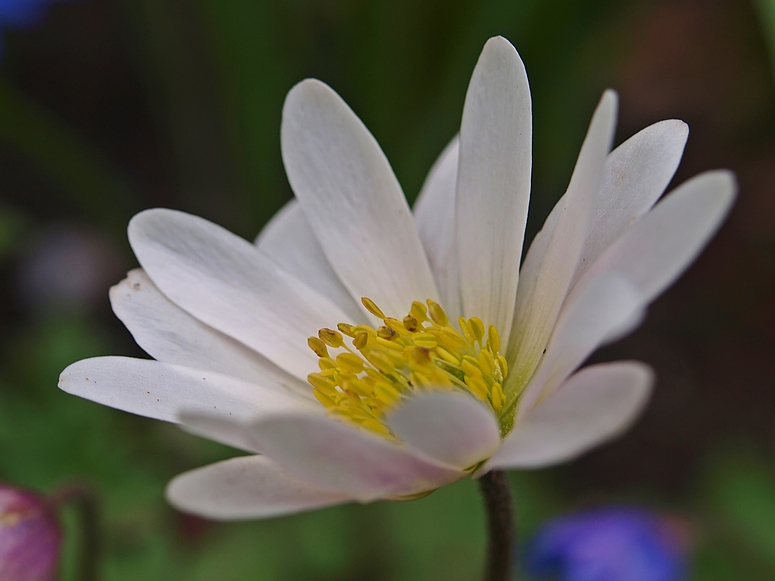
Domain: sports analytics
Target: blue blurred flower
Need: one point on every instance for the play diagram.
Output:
(609, 544)
(20, 14)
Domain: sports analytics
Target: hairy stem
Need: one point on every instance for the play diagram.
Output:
(500, 526)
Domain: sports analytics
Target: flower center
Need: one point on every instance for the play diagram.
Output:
(424, 351)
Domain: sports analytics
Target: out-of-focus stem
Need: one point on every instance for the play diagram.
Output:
(501, 531)
(83, 499)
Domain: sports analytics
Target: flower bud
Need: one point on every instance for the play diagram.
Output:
(30, 537)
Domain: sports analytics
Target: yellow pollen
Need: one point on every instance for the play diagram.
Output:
(361, 382)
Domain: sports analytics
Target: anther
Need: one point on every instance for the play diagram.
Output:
(387, 333)
(317, 346)
(326, 400)
(330, 337)
(447, 356)
(421, 351)
(477, 386)
(396, 325)
(361, 340)
(419, 355)
(326, 363)
(437, 313)
(357, 386)
(419, 311)
(425, 340)
(470, 368)
(389, 344)
(450, 338)
(382, 362)
(462, 324)
(372, 307)
(348, 330)
(503, 364)
(350, 362)
(493, 339)
(486, 362)
(476, 326)
(322, 383)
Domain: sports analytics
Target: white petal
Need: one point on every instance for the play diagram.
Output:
(289, 242)
(352, 200)
(450, 427)
(544, 288)
(169, 334)
(605, 305)
(654, 251)
(493, 186)
(160, 390)
(434, 214)
(595, 405)
(227, 283)
(228, 430)
(340, 457)
(636, 174)
(245, 488)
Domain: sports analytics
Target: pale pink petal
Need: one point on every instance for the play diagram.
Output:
(245, 488)
(337, 456)
(593, 406)
(450, 427)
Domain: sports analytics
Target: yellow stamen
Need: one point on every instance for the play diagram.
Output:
(372, 307)
(317, 346)
(422, 351)
(331, 338)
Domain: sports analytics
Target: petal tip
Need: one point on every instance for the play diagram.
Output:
(499, 48)
(305, 91)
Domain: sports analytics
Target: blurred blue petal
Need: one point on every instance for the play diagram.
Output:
(608, 544)
(21, 13)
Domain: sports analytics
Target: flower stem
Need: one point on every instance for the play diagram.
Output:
(83, 499)
(500, 525)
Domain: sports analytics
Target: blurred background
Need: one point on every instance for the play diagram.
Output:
(110, 107)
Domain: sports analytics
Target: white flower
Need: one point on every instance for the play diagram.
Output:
(422, 401)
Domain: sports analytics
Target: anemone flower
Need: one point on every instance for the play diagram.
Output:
(359, 351)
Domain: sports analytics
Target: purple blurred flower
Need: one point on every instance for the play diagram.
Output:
(66, 268)
(30, 537)
(610, 544)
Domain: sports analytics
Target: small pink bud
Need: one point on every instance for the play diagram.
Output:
(30, 538)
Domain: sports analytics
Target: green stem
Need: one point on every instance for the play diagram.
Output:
(83, 499)
(501, 531)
